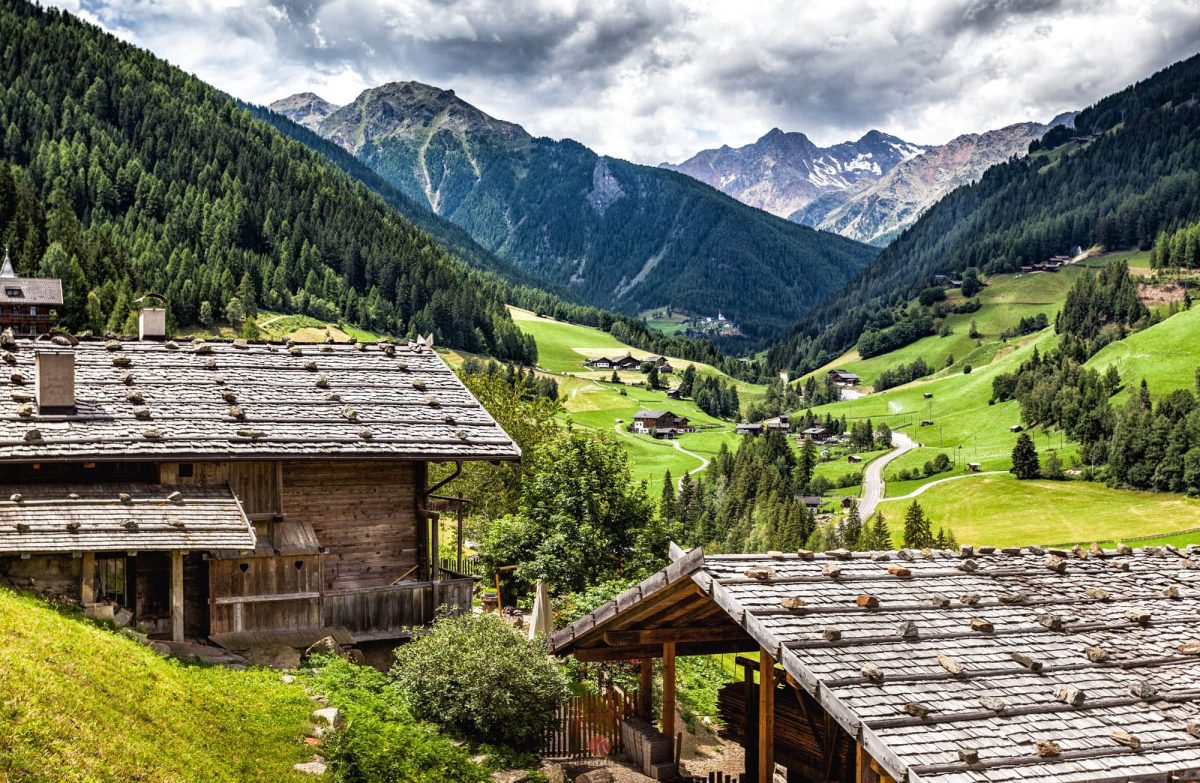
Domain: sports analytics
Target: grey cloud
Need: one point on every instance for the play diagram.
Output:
(658, 79)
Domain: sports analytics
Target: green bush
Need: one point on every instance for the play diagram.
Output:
(380, 741)
(477, 677)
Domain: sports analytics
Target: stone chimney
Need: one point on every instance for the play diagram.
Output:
(152, 320)
(54, 369)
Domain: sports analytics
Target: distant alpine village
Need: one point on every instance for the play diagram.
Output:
(716, 425)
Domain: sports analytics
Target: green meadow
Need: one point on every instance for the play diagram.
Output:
(998, 509)
(592, 400)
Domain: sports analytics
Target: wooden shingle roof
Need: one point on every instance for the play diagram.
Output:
(55, 518)
(220, 400)
(953, 667)
(45, 291)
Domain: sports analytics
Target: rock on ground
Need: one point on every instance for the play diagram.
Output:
(314, 767)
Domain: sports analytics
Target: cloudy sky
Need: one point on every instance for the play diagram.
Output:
(654, 80)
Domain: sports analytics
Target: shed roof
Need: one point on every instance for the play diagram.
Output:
(220, 400)
(652, 414)
(983, 651)
(45, 518)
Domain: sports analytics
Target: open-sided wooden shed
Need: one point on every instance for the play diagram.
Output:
(973, 666)
(232, 488)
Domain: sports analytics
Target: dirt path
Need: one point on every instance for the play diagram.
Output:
(704, 462)
(924, 487)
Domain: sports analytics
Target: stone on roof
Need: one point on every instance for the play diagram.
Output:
(171, 401)
(921, 678)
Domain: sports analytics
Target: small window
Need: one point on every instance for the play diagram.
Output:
(16, 310)
(14, 293)
(111, 574)
(33, 311)
(186, 470)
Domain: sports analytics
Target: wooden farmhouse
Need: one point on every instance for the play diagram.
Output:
(28, 305)
(213, 489)
(660, 424)
(969, 666)
(844, 378)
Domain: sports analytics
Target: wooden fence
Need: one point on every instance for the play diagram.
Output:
(470, 566)
(589, 725)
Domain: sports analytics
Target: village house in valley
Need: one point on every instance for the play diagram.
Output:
(625, 362)
(28, 305)
(660, 424)
(968, 666)
(215, 489)
(844, 378)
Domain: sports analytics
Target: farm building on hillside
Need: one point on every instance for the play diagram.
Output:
(816, 434)
(777, 424)
(216, 489)
(811, 502)
(29, 305)
(969, 666)
(625, 362)
(843, 378)
(748, 428)
(660, 424)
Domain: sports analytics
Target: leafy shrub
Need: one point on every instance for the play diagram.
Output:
(380, 741)
(477, 677)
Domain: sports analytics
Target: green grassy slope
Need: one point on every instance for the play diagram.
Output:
(996, 511)
(81, 703)
(1165, 355)
(591, 400)
(1005, 301)
(999, 510)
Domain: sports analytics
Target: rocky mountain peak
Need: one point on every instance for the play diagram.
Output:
(304, 108)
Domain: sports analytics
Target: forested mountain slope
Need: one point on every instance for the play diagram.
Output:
(1129, 169)
(618, 235)
(122, 174)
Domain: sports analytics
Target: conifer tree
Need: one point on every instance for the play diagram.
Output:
(852, 528)
(917, 532)
(667, 507)
(1025, 463)
(876, 537)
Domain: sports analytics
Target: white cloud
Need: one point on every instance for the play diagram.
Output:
(654, 80)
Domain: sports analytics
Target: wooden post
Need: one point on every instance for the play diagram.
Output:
(750, 738)
(646, 690)
(177, 596)
(87, 578)
(766, 716)
(668, 691)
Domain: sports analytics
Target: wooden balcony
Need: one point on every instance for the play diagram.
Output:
(370, 613)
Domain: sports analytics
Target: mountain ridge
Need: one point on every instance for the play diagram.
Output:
(869, 189)
(783, 171)
(878, 213)
(616, 234)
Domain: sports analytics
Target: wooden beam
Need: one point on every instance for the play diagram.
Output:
(647, 637)
(646, 690)
(177, 596)
(766, 716)
(668, 692)
(652, 651)
(87, 578)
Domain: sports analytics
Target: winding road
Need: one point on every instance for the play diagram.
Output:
(873, 487)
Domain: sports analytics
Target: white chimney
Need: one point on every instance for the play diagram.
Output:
(54, 370)
(152, 321)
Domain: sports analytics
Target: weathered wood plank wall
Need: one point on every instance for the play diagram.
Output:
(364, 513)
